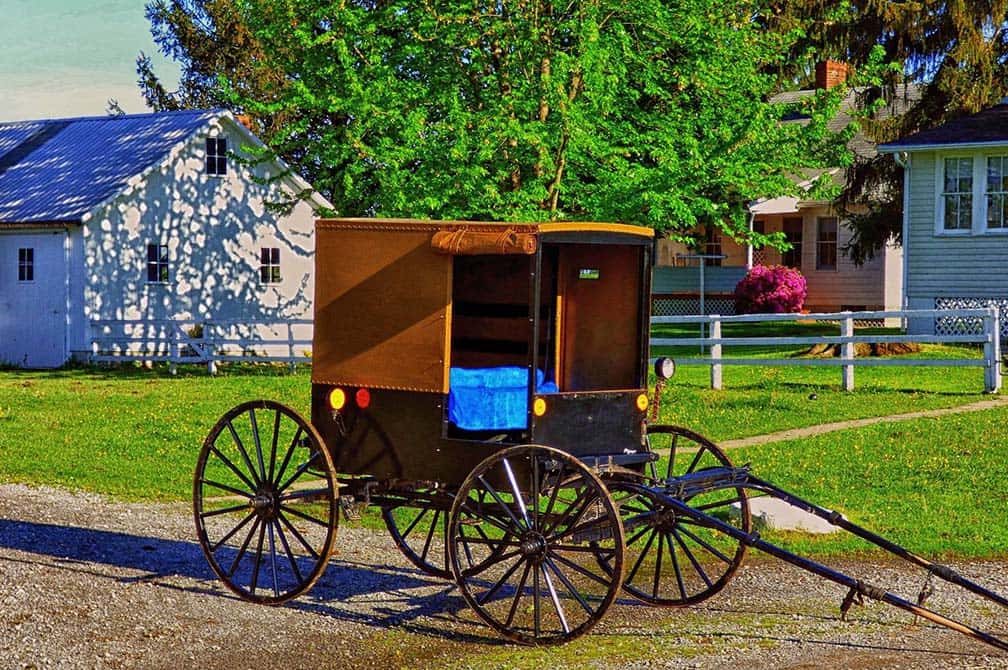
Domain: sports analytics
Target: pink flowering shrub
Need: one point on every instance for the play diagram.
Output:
(770, 289)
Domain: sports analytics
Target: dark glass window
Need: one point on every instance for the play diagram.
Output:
(712, 245)
(157, 263)
(269, 265)
(216, 155)
(26, 264)
(793, 234)
(826, 243)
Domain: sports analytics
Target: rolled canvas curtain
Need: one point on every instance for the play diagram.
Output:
(466, 242)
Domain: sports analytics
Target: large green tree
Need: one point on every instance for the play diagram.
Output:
(651, 112)
(950, 59)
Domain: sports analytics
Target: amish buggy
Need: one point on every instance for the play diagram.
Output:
(485, 385)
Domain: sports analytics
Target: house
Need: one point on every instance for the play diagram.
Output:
(814, 229)
(149, 216)
(955, 216)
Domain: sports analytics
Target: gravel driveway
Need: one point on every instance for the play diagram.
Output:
(88, 583)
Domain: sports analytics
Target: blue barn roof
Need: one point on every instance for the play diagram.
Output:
(57, 170)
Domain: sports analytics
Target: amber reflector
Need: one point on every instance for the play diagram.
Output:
(337, 399)
(539, 407)
(642, 402)
(363, 398)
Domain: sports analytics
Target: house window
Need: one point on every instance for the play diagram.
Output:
(26, 264)
(759, 256)
(269, 265)
(216, 156)
(712, 246)
(157, 263)
(997, 190)
(793, 234)
(957, 194)
(826, 243)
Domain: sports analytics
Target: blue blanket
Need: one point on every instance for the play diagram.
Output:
(492, 398)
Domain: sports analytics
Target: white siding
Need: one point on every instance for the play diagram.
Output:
(968, 266)
(214, 228)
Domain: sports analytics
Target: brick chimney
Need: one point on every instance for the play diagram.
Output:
(830, 73)
(246, 120)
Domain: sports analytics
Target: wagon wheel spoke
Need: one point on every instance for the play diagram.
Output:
(537, 549)
(675, 559)
(267, 543)
(693, 560)
(409, 515)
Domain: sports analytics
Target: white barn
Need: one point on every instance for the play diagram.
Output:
(149, 216)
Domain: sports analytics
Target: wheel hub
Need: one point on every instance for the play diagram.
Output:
(265, 504)
(533, 545)
(666, 521)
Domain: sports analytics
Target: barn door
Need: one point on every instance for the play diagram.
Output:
(33, 299)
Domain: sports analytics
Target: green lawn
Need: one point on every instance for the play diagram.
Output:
(135, 434)
(130, 433)
(937, 486)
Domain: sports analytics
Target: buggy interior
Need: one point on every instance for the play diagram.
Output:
(585, 335)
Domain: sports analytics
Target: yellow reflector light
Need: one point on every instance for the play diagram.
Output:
(642, 402)
(337, 399)
(539, 407)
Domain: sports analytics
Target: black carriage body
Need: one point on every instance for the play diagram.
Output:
(564, 308)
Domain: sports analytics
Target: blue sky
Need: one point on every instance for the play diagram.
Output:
(61, 58)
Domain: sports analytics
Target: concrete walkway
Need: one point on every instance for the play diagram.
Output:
(798, 433)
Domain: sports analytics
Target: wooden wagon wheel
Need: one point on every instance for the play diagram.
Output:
(670, 560)
(528, 532)
(419, 526)
(265, 502)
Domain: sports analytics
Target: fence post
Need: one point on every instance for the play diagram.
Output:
(290, 347)
(715, 353)
(208, 349)
(175, 350)
(848, 351)
(992, 352)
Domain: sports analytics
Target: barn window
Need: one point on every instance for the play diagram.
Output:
(26, 264)
(269, 265)
(216, 156)
(157, 263)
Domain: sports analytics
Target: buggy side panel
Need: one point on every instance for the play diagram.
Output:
(382, 307)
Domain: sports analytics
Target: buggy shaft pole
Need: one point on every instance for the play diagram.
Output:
(753, 540)
(838, 520)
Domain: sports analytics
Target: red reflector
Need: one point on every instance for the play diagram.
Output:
(363, 398)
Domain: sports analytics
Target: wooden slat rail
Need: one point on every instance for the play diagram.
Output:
(989, 337)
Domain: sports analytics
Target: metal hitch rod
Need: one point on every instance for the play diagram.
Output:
(731, 478)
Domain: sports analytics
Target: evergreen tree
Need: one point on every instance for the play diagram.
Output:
(951, 59)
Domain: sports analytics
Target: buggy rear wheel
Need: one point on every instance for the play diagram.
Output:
(265, 502)
(528, 531)
(419, 525)
(671, 560)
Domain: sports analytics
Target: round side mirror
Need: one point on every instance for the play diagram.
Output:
(664, 368)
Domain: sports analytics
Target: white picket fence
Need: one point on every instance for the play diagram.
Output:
(208, 342)
(978, 326)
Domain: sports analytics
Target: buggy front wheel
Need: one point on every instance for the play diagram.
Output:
(528, 531)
